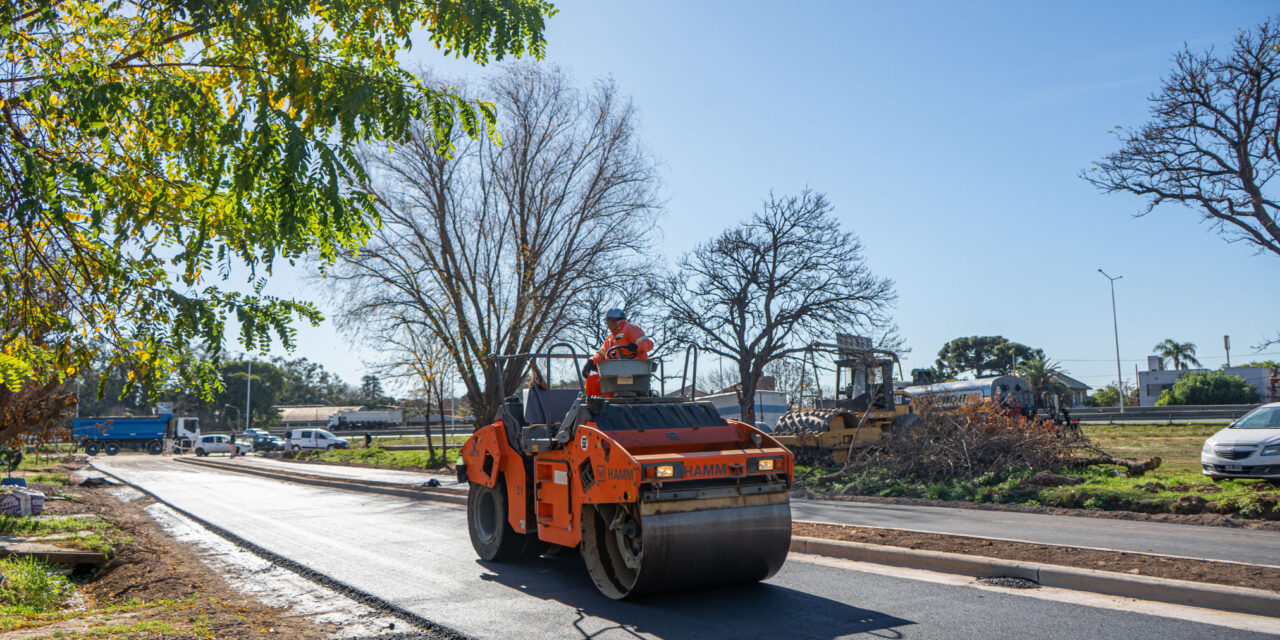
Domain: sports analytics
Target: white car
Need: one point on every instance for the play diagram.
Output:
(1249, 448)
(205, 445)
(299, 439)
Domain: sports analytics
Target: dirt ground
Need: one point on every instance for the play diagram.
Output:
(153, 587)
(1228, 573)
(1206, 519)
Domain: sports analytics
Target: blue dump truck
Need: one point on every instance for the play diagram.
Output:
(143, 433)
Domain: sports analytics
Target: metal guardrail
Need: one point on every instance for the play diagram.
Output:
(1213, 413)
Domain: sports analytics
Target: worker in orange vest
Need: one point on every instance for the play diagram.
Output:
(625, 341)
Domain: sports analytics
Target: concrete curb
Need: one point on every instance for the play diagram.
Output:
(51, 554)
(452, 496)
(1195, 594)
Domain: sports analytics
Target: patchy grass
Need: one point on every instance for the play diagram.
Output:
(1004, 487)
(358, 440)
(12, 525)
(1161, 491)
(60, 479)
(93, 534)
(163, 618)
(33, 587)
(42, 462)
(377, 457)
(1178, 445)
(1165, 491)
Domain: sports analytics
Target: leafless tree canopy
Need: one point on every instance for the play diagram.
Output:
(1213, 143)
(765, 289)
(498, 249)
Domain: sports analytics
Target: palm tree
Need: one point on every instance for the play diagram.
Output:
(1042, 375)
(1183, 354)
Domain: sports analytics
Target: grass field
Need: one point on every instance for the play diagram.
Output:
(1178, 445)
(358, 442)
(378, 457)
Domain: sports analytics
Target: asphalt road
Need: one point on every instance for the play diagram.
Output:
(1217, 543)
(416, 555)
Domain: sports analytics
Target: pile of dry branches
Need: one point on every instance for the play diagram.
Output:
(975, 440)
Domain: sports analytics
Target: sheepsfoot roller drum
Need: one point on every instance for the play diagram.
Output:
(659, 494)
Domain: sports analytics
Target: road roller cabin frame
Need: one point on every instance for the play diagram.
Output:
(858, 415)
(661, 494)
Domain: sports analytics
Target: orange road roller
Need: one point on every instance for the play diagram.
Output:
(659, 494)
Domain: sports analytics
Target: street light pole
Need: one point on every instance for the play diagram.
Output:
(1115, 327)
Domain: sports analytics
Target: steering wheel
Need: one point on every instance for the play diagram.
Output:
(619, 352)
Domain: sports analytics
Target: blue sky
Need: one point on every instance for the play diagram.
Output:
(949, 137)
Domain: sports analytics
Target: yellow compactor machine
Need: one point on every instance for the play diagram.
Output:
(865, 409)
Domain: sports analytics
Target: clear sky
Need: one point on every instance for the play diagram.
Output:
(949, 136)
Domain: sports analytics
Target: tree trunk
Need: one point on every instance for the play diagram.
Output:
(747, 396)
(426, 425)
(444, 441)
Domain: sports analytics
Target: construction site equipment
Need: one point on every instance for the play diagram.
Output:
(866, 407)
(659, 494)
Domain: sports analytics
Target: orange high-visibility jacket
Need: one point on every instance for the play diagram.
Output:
(627, 333)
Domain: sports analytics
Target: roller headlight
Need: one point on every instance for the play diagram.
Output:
(664, 471)
(1271, 450)
(766, 465)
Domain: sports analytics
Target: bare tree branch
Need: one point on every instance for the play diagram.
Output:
(763, 290)
(1213, 143)
(499, 249)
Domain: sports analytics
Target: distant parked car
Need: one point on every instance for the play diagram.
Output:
(1249, 448)
(268, 443)
(206, 445)
(300, 439)
(254, 433)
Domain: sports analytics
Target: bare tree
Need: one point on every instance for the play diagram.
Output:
(764, 289)
(495, 249)
(422, 362)
(1213, 142)
(792, 377)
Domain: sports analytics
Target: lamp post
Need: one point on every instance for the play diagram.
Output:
(1115, 327)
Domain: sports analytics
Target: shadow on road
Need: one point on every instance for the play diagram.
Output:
(748, 611)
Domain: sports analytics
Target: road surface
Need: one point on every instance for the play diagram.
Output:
(416, 555)
(1215, 543)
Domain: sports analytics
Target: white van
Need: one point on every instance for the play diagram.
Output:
(299, 439)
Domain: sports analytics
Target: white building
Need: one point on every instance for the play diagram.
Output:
(1151, 383)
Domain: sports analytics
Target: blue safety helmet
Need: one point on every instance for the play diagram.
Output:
(615, 314)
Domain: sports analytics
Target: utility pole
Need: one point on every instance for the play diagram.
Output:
(248, 393)
(1115, 327)
(1226, 344)
(1135, 382)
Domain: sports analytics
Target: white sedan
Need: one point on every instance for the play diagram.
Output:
(1249, 448)
(206, 445)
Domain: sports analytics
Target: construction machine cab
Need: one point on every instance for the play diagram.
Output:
(870, 382)
(543, 418)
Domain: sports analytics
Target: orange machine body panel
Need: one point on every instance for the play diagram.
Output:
(600, 467)
(488, 456)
